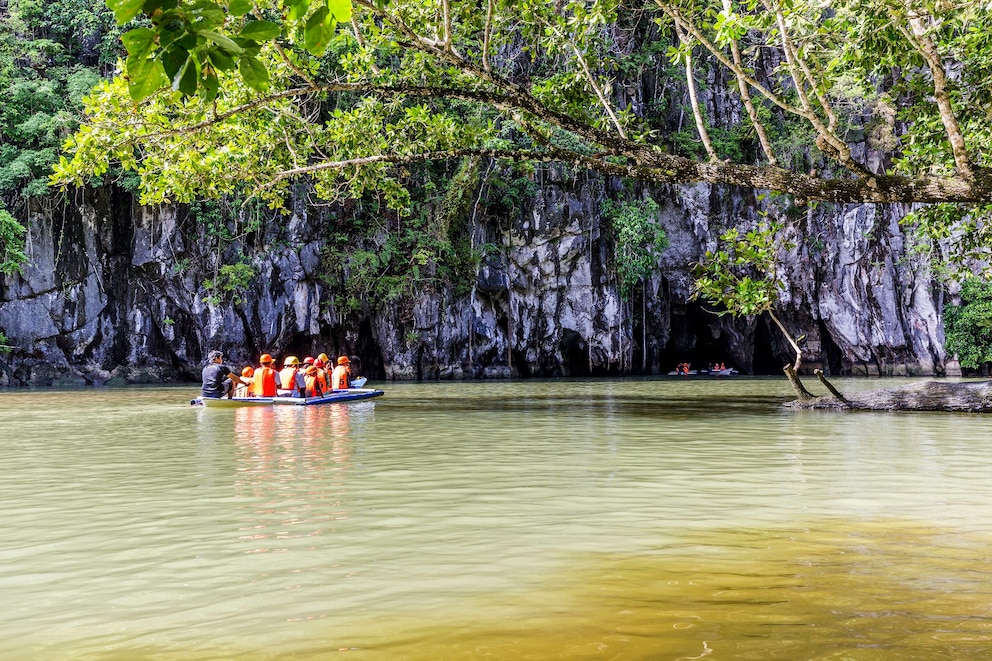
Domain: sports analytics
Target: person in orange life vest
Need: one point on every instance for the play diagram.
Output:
(266, 379)
(314, 388)
(323, 375)
(246, 389)
(341, 374)
(293, 382)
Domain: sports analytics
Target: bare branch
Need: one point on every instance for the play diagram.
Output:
(921, 40)
(828, 142)
(487, 34)
(360, 38)
(694, 101)
(742, 86)
(590, 79)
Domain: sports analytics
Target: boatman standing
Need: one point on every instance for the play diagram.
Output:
(218, 379)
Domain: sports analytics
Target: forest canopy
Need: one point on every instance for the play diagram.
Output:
(854, 101)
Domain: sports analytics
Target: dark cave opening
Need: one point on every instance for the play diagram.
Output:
(574, 353)
(766, 360)
(833, 357)
(695, 339)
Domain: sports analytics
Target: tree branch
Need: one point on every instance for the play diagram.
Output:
(693, 100)
(742, 86)
(924, 44)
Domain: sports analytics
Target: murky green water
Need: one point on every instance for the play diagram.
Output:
(632, 519)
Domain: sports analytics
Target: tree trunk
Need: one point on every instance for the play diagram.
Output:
(969, 397)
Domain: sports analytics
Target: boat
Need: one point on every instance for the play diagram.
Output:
(350, 395)
(231, 403)
(727, 372)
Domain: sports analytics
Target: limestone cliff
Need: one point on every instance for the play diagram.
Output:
(115, 293)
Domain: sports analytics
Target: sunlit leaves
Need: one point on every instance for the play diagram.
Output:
(254, 73)
(260, 30)
(319, 30)
(125, 10)
(183, 37)
(741, 275)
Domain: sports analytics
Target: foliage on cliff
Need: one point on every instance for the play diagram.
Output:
(968, 326)
(51, 54)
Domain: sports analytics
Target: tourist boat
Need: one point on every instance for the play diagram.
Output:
(726, 372)
(350, 395)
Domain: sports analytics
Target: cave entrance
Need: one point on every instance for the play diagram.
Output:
(574, 353)
(833, 357)
(695, 338)
(766, 360)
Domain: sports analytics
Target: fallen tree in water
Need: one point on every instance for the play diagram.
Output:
(961, 397)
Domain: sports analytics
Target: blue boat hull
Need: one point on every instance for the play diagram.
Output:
(350, 395)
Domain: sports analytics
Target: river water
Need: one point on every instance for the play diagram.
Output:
(627, 519)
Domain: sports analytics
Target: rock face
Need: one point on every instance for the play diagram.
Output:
(115, 293)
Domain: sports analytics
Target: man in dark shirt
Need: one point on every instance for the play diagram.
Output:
(218, 379)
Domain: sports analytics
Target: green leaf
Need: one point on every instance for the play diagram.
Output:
(239, 7)
(151, 6)
(138, 42)
(318, 31)
(173, 59)
(144, 77)
(224, 42)
(254, 73)
(207, 15)
(222, 61)
(297, 9)
(341, 9)
(209, 85)
(250, 47)
(125, 10)
(187, 78)
(261, 30)
(170, 29)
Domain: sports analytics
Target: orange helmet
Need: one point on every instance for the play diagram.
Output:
(291, 360)
(248, 371)
(343, 360)
(265, 359)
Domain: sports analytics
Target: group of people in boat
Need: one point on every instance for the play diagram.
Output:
(311, 378)
(714, 368)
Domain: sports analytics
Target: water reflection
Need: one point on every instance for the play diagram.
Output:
(618, 520)
(291, 465)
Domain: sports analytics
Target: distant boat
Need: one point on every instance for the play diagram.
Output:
(727, 372)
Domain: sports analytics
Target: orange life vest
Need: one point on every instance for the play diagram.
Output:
(339, 377)
(265, 382)
(288, 378)
(315, 384)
